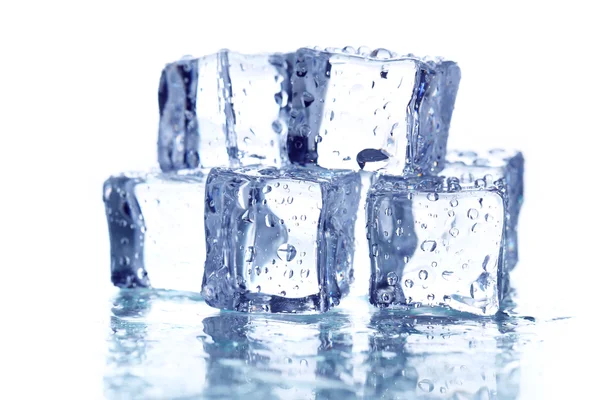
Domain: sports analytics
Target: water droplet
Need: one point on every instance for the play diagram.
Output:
(423, 274)
(303, 363)
(430, 297)
(408, 283)
(472, 213)
(249, 254)
(290, 199)
(447, 299)
(434, 264)
(406, 259)
(267, 189)
(247, 140)
(304, 273)
(399, 231)
(453, 202)
(307, 99)
(286, 252)
(277, 126)
(392, 278)
(428, 245)
(454, 232)
(433, 196)
(388, 211)
(364, 51)
(475, 228)
(349, 50)
(288, 273)
(465, 266)
(258, 289)
(141, 274)
(426, 385)
(282, 293)
(257, 270)
(375, 250)
(479, 183)
(124, 241)
(270, 220)
(124, 261)
(451, 213)
(486, 260)
(381, 54)
(318, 139)
(303, 217)
(447, 275)
(331, 115)
(424, 226)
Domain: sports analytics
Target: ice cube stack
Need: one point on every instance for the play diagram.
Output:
(259, 193)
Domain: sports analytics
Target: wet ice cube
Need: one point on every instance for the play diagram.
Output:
(371, 111)
(279, 240)
(156, 228)
(435, 241)
(224, 109)
(492, 165)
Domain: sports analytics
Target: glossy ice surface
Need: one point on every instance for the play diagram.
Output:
(279, 240)
(224, 109)
(396, 110)
(436, 241)
(156, 228)
(171, 345)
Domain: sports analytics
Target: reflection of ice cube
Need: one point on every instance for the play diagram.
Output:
(223, 109)
(350, 111)
(279, 240)
(438, 242)
(156, 227)
(442, 358)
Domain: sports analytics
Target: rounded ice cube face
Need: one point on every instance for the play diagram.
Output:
(279, 240)
(433, 244)
(355, 112)
(225, 109)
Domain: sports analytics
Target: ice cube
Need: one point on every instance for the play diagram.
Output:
(373, 111)
(494, 164)
(156, 228)
(279, 240)
(438, 241)
(224, 109)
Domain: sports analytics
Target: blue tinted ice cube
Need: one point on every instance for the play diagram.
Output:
(156, 228)
(492, 165)
(279, 240)
(372, 111)
(438, 241)
(224, 109)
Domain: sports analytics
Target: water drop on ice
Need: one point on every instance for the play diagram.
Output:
(423, 274)
(426, 385)
(472, 213)
(286, 252)
(454, 232)
(392, 279)
(408, 283)
(428, 245)
(433, 196)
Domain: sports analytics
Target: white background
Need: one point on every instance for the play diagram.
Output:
(78, 101)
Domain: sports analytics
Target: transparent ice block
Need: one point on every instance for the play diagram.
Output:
(371, 111)
(438, 241)
(279, 240)
(156, 228)
(494, 164)
(224, 109)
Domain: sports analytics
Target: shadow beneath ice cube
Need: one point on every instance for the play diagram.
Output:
(170, 345)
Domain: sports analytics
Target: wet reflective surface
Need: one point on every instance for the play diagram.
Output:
(172, 345)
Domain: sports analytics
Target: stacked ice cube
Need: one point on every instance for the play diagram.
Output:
(259, 195)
